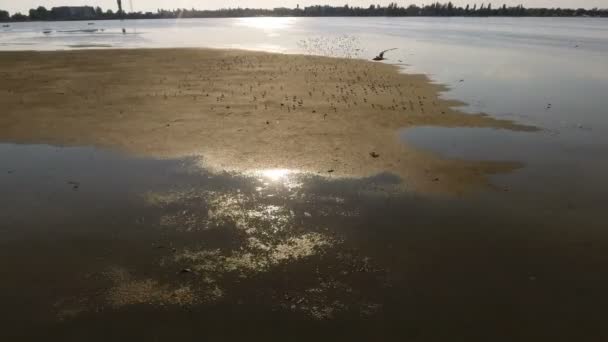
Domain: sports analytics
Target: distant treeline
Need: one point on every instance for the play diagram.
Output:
(392, 10)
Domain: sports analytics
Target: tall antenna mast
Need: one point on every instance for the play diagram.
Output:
(121, 14)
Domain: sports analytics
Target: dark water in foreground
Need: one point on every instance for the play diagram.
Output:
(96, 245)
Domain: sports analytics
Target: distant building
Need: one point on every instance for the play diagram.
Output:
(71, 12)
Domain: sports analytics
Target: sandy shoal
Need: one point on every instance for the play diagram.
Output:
(239, 110)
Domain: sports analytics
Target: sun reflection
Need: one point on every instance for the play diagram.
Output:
(270, 179)
(266, 23)
(275, 175)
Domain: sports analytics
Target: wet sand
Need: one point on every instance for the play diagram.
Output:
(239, 111)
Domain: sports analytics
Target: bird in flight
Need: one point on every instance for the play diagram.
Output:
(380, 56)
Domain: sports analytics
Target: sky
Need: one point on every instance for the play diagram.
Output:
(151, 5)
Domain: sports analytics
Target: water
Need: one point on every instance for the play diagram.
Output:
(557, 173)
(151, 248)
(271, 252)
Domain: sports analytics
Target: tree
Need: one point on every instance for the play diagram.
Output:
(392, 9)
(19, 17)
(413, 10)
(40, 13)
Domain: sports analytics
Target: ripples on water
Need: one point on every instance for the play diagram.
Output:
(213, 236)
(122, 237)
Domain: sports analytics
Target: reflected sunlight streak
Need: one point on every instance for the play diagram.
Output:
(275, 175)
(266, 23)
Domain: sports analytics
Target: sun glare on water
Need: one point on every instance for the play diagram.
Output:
(276, 175)
(266, 23)
(272, 178)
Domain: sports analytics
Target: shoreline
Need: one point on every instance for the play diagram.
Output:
(320, 16)
(240, 110)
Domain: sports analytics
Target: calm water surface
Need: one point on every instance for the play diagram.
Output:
(103, 246)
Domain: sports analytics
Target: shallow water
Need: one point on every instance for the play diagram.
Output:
(101, 245)
(556, 173)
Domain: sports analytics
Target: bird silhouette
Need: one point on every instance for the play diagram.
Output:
(380, 56)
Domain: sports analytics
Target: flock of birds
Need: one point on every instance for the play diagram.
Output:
(344, 46)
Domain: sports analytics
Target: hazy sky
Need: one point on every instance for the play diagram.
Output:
(151, 5)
